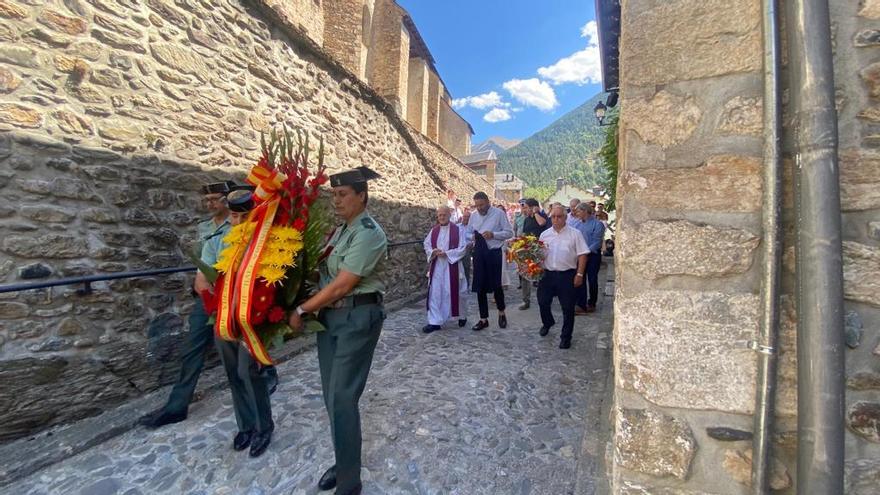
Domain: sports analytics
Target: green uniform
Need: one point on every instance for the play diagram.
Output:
(247, 382)
(200, 332)
(345, 349)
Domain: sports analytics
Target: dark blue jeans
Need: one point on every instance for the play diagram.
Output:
(594, 262)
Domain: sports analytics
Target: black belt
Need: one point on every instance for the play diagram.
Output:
(358, 300)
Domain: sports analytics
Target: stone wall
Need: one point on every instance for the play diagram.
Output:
(389, 73)
(688, 275)
(455, 133)
(417, 94)
(111, 116)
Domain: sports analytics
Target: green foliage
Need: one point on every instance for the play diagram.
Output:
(567, 148)
(608, 157)
(541, 193)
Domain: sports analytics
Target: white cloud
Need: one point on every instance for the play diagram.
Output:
(581, 67)
(532, 92)
(482, 102)
(497, 115)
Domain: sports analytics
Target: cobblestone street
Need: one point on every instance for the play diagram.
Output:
(456, 411)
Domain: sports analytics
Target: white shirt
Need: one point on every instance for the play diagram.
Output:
(563, 248)
(494, 221)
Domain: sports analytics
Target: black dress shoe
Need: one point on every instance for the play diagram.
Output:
(544, 331)
(480, 325)
(430, 328)
(354, 491)
(462, 322)
(502, 321)
(260, 442)
(164, 418)
(565, 344)
(242, 440)
(328, 480)
(149, 417)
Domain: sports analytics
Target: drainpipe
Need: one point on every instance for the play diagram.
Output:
(819, 252)
(766, 346)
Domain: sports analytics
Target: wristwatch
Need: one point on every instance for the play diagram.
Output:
(578, 275)
(300, 311)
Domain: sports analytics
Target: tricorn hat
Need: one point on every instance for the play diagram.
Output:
(218, 187)
(353, 176)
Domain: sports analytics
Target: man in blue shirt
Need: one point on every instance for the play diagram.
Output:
(594, 233)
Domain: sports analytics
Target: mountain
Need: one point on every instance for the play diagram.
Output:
(567, 148)
(496, 143)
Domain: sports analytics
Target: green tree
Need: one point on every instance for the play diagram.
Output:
(608, 159)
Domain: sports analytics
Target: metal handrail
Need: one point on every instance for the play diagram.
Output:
(87, 280)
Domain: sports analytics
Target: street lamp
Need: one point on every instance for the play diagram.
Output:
(600, 110)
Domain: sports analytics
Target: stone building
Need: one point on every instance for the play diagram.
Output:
(690, 243)
(111, 116)
(483, 164)
(565, 192)
(509, 188)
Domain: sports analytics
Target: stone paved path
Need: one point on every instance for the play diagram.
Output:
(454, 412)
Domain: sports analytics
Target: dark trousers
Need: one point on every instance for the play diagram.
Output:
(198, 339)
(594, 262)
(345, 354)
(560, 285)
(483, 302)
(249, 387)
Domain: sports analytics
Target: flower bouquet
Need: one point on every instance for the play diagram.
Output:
(268, 261)
(528, 254)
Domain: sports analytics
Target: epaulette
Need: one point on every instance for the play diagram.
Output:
(368, 222)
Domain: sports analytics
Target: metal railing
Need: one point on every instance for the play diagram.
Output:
(86, 280)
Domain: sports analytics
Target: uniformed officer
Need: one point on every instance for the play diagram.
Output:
(350, 304)
(248, 384)
(200, 332)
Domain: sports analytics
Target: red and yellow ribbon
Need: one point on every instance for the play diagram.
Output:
(236, 296)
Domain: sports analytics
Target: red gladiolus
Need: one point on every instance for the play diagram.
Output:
(263, 296)
(276, 314)
(258, 317)
(299, 224)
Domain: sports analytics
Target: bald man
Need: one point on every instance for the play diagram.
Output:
(446, 247)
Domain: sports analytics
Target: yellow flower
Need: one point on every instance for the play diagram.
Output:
(271, 274)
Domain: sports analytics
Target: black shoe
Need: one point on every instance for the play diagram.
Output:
(524, 306)
(149, 417)
(544, 331)
(164, 418)
(462, 322)
(430, 328)
(565, 344)
(328, 481)
(260, 442)
(354, 491)
(242, 440)
(480, 325)
(502, 321)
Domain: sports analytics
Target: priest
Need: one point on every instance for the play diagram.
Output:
(445, 247)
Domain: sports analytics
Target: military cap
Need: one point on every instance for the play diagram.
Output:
(353, 176)
(217, 187)
(240, 201)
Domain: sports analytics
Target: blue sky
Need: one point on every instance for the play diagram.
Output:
(512, 66)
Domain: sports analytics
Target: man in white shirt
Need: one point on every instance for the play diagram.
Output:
(564, 265)
(445, 246)
(456, 212)
(490, 229)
